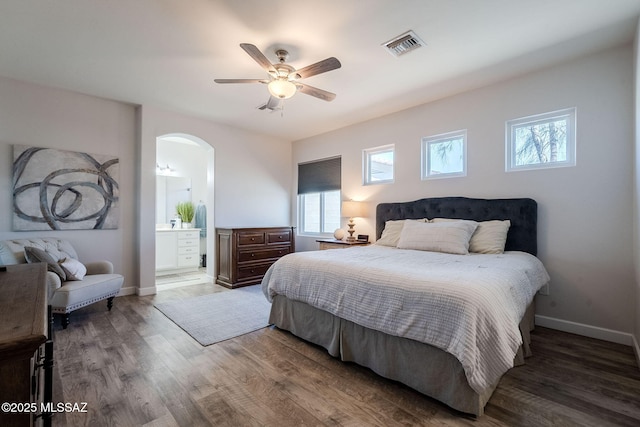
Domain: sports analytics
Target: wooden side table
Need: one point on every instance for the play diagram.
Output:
(339, 244)
(26, 344)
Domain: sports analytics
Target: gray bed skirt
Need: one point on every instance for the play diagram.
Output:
(400, 359)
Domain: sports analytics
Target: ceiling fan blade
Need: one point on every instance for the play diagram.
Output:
(258, 56)
(272, 103)
(319, 67)
(240, 81)
(314, 91)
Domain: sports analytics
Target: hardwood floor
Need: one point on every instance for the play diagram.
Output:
(134, 367)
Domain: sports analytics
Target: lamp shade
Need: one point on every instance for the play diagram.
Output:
(282, 88)
(353, 209)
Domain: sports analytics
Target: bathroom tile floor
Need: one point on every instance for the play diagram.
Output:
(172, 281)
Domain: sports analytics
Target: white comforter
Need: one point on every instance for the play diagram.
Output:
(467, 305)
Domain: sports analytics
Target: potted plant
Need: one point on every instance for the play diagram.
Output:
(186, 210)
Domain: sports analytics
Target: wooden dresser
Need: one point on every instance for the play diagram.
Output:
(245, 254)
(26, 345)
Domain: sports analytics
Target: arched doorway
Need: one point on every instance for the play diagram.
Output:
(184, 169)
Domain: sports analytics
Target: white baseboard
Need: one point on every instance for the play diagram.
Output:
(143, 292)
(587, 331)
(127, 291)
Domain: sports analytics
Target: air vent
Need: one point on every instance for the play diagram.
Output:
(405, 43)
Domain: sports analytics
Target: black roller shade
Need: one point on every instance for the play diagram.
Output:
(320, 175)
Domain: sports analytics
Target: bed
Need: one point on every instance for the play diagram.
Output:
(445, 323)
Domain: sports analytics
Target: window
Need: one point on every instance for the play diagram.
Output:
(542, 141)
(319, 213)
(319, 185)
(444, 155)
(377, 165)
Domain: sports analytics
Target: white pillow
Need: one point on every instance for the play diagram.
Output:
(449, 237)
(392, 230)
(490, 237)
(73, 268)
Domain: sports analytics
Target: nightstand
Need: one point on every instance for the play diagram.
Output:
(339, 244)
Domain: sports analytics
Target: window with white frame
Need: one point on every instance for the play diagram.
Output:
(319, 213)
(319, 188)
(541, 141)
(377, 165)
(444, 155)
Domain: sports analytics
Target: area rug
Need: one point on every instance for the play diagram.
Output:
(219, 316)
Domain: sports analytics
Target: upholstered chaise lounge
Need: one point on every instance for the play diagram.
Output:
(68, 289)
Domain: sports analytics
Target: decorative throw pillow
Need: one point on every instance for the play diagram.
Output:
(74, 269)
(391, 233)
(448, 237)
(490, 237)
(33, 255)
(392, 230)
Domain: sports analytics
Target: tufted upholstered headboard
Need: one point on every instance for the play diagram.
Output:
(523, 214)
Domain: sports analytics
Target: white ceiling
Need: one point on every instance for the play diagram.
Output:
(166, 53)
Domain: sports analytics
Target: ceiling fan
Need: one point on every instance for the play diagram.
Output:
(283, 80)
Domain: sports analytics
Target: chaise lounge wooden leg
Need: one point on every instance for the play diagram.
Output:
(110, 303)
(65, 320)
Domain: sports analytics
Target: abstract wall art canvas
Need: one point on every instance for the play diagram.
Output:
(64, 190)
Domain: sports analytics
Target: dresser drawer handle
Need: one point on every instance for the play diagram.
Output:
(252, 255)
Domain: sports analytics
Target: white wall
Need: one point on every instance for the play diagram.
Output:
(252, 173)
(584, 212)
(46, 117)
(252, 179)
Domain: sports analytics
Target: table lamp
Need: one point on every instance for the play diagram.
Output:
(352, 209)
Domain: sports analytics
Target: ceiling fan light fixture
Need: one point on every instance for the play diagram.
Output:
(282, 88)
(283, 78)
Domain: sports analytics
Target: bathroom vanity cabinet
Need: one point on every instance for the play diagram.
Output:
(177, 251)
